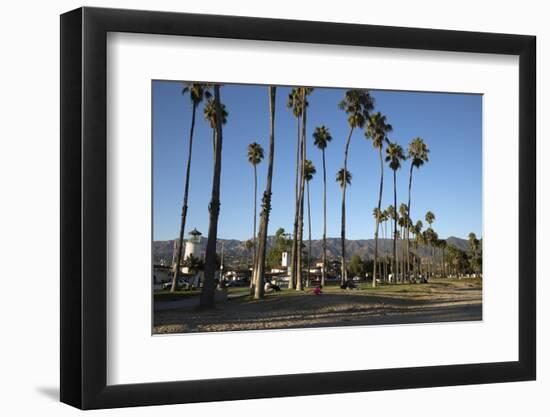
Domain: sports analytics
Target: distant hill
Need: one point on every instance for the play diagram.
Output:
(233, 248)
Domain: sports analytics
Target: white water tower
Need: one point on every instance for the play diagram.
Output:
(192, 246)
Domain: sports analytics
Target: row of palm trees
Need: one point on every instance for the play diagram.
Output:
(400, 225)
(358, 105)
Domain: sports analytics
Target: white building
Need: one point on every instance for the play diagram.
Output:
(284, 260)
(192, 247)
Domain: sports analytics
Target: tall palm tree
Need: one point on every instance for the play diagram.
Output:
(442, 244)
(391, 216)
(305, 92)
(417, 231)
(384, 219)
(430, 218)
(403, 222)
(309, 172)
(266, 201)
(377, 214)
(294, 103)
(255, 154)
(434, 238)
(377, 130)
(322, 137)
(394, 155)
(398, 269)
(343, 177)
(357, 103)
(417, 152)
(474, 248)
(210, 261)
(197, 93)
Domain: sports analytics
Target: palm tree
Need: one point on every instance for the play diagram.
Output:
(474, 247)
(357, 104)
(384, 220)
(418, 153)
(434, 238)
(197, 93)
(417, 231)
(430, 218)
(442, 244)
(297, 101)
(398, 235)
(403, 223)
(377, 130)
(210, 117)
(259, 268)
(304, 91)
(377, 214)
(248, 245)
(294, 103)
(343, 177)
(322, 137)
(208, 288)
(255, 154)
(309, 172)
(394, 155)
(391, 216)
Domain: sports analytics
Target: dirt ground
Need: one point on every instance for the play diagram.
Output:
(438, 301)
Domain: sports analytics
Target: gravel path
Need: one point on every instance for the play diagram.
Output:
(425, 303)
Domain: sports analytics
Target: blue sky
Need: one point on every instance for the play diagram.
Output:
(450, 184)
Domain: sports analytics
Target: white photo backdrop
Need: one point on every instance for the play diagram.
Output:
(136, 356)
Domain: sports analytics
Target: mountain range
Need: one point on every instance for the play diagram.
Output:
(163, 249)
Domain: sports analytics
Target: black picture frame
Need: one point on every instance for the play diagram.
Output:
(84, 207)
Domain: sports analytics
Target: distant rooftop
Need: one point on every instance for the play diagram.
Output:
(195, 232)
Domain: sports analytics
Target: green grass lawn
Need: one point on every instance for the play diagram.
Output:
(366, 287)
(334, 288)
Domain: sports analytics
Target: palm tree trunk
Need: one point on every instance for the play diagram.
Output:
(299, 279)
(343, 240)
(254, 227)
(294, 253)
(255, 208)
(208, 289)
(394, 266)
(309, 236)
(323, 271)
(403, 272)
(409, 217)
(443, 263)
(184, 207)
(429, 268)
(344, 277)
(385, 255)
(377, 218)
(266, 201)
(433, 257)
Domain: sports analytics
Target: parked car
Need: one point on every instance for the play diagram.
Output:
(180, 285)
(240, 282)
